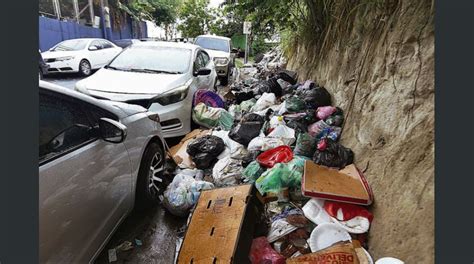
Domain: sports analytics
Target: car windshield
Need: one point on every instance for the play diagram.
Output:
(70, 45)
(152, 60)
(213, 44)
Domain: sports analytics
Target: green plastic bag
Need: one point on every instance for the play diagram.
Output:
(305, 145)
(282, 175)
(211, 117)
(247, 105)
(294, 104)
(253, 171)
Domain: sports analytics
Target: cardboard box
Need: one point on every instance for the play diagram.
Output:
(178, 152)
(347, 185)
(341, 253)
(222, 226)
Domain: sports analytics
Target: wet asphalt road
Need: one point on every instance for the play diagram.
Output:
(156, 228)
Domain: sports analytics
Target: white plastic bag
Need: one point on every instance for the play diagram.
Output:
(265, 101)
(262, 143)
(227, 171)
(286, 134)
(233, 149)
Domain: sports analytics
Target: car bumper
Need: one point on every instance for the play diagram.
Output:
(222, 70)
(175, 119)
(63, 66)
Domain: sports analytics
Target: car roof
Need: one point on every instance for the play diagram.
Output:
(166, 44)
(212, 36)
(77, 95)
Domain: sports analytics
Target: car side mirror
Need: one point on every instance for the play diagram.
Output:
(112, 131)
(203, 71)
(93, 48)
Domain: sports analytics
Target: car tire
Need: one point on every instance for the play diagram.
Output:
(85, 68)
(40, 75)
(150, 177)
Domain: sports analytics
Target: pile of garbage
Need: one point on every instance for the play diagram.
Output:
(264, 131)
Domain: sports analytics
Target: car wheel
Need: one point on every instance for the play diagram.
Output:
(40, 75)
(85, 68)
(150, 182)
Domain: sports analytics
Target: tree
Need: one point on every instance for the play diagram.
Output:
(196, 18)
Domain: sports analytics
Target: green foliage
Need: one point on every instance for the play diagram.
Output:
(196, 18)
(162, 12)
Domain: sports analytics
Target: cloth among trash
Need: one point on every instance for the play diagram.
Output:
(226, 172)
(183, 192)
(332, 154)
(262, 252)
(276, 155)
(212, 117)
(209, 98)
(204, 150)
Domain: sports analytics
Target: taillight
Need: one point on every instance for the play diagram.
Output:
(155, 117)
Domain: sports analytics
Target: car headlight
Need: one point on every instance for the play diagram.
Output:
(65, 58)
(176, 95)
(221, 61)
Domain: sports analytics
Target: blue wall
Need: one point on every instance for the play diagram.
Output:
(53, 31)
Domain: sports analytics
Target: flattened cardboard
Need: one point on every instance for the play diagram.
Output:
(346, 185)
(178, 152)
(221, 227)
(340, 253)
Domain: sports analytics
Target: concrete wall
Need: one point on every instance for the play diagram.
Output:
(381, 72)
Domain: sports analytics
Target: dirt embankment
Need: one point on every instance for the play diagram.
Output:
(381, 72)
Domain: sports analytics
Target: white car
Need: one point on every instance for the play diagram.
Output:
(80, 55)
(160, 76)
(221, 52)
(97, 159)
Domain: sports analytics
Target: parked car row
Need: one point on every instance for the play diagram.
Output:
(101, 146)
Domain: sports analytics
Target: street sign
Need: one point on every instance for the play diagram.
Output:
(247, 27)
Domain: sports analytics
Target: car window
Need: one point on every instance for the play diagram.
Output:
(153, 59)
(213, 43)
(63, 125)
(96, 43)
(70, 45)
(106, 44)
(205, 57)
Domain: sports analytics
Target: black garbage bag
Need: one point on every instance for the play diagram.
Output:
(204, 150)
(310, 116)
(297, 123)
(248, 128)
(243, 96)
(290, 89)
(288, 76)
(332, 154)
(316, 97)
(270, 86)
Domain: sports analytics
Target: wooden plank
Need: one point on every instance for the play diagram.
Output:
(213, 232)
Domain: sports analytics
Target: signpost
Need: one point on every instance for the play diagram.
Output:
(247, 30)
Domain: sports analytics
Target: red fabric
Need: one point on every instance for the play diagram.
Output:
(276, 155)
(349, 211)
(262, 252)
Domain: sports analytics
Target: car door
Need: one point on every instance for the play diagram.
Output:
(96, 57)
(202, 81)
(85, 183)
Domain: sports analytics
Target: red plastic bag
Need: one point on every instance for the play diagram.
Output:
(262, 253)
(279, 154)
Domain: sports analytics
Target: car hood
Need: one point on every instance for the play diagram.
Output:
(57, 54)
(131, 83)
(218, 54)
(127, 109)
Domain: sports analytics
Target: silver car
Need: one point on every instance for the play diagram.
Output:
(96, 160)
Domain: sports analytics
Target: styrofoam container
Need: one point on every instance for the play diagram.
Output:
(314, 211)
(389, 260)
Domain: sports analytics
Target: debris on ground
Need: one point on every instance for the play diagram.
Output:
(280, 137)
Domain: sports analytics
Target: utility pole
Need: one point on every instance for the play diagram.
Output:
(247, 31)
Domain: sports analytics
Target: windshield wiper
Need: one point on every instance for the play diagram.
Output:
(155, 71)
